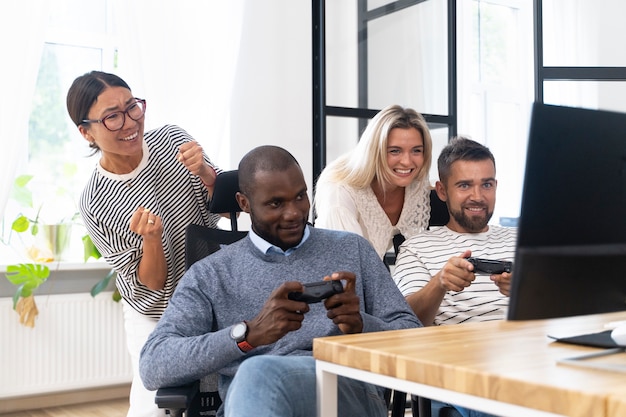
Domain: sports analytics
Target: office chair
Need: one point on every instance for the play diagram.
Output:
(201, 397)
(224, 200)
(439, 216)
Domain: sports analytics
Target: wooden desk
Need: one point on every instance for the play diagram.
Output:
(505, 368)
(617, 405)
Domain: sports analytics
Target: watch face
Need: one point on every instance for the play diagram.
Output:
(238, 332)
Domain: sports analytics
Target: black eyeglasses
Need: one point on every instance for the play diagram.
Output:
(115, 121)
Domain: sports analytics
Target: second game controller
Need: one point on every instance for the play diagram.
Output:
(488, 266)
(314, 292)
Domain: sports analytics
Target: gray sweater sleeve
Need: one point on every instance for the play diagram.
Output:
(186, 345)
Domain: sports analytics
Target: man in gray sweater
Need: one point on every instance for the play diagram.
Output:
(231, 312)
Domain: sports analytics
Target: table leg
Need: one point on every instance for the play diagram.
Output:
(326, 385)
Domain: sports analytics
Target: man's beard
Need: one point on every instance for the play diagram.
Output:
(472, 224)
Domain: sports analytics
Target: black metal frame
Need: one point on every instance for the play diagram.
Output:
(321, 110)
(543, 73)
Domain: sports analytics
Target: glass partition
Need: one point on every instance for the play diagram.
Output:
(592, 31)
(407, 58)
(600, 95)
(388, 58)
(376, 53)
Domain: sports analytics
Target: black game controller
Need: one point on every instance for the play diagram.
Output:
(488, 266)
(314, 292)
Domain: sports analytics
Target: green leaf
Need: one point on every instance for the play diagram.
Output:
(23, 291)
(102, 284)
(89, 249)
(20, 193)
(16, 297)
(69, 169)
(22, 180)
(28, 276)
(20, 224)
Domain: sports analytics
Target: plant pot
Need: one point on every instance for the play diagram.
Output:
(57, 238)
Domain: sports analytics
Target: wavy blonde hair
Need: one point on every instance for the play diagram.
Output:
(368, 160)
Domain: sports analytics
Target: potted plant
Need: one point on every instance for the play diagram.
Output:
(32, 234)
(27, 277)
(41, 243)
(51, 235)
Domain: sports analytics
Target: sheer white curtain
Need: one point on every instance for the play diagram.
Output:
(22, 29)
(182, 57)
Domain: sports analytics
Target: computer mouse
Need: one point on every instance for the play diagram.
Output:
(618, 335)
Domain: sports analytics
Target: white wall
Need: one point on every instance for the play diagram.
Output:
(269, 48)
(272, 97)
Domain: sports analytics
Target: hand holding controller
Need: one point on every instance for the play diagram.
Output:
(314, 292)
(488, 266)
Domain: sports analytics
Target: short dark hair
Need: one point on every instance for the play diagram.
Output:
(85, 90)
(263, 158)
(461, 148)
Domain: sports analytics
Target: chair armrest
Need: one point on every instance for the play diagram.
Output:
(177, 398)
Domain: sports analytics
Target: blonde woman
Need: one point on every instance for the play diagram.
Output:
(380, 188)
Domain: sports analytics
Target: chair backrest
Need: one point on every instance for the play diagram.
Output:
(224, 200)
(201, 241)
(439, 215)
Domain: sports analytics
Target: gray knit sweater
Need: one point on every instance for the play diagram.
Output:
(192, 338)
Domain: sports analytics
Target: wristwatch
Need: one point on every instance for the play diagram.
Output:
(238, 333)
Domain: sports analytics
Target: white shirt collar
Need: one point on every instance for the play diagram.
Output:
(266, 247)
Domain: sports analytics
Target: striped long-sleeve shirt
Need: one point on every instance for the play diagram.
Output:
(167, 188)
(424, 255)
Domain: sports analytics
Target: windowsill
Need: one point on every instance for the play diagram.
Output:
(62, 266)
(69, 277)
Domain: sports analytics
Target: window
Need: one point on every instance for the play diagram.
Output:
(54, 153)
(495, 88)
(170, 53)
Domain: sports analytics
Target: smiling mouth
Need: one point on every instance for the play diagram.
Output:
(293, 227)
(403, 171)
(129, 138)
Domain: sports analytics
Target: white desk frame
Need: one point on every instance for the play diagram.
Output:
(327, 392)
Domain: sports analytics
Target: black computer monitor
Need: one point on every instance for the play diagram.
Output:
(571, 250)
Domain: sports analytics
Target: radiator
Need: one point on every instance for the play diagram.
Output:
(78, 342)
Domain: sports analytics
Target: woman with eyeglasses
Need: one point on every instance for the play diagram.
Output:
(144, 191)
